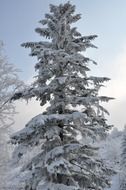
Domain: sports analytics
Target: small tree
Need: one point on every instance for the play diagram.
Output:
(123, 162)
(63, 163)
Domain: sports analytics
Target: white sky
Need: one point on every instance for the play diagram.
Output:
(105, 18)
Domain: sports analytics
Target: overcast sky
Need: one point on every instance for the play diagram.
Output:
(106, 18)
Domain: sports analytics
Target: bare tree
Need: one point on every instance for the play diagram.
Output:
(9, 83)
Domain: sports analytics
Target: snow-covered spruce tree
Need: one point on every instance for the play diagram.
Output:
(123, 163)
(63, 163)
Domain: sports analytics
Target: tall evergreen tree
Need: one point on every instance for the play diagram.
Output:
(123, 163)
(63, 163)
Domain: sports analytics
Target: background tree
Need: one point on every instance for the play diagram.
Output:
(74, 110)
(9, 83)
(123, 162)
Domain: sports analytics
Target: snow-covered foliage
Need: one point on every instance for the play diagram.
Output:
(110, 151)
(63, 163)
(111, 148)
(123, 162)
(9, 84)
